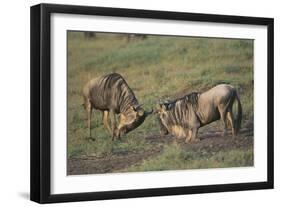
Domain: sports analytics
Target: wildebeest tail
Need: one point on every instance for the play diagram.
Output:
(239, 114)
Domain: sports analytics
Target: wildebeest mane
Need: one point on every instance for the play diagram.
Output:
(126, 96)
(191, 98)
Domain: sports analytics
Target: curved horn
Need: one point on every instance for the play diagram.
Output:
(137, 107)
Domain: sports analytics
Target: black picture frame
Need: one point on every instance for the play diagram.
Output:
(41, 99)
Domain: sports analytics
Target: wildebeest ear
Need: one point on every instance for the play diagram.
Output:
(136, 108)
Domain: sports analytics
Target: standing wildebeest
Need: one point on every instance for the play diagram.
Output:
(182, 117)
(112, 95)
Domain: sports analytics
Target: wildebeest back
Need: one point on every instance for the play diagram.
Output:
(111, 92)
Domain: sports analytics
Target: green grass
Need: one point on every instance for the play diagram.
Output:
(155, 68)
(174, 157)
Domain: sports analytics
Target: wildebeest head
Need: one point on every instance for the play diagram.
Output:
(134, 117)
(161, 111)
(164, 106)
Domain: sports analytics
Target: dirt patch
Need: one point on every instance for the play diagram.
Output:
(211, 142)
(106, 164)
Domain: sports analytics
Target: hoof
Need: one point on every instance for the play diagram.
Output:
(175, 143)
(113, 137)
(196, 140)
(187, 141)
(116, 138)
(192, 140)
(224, 133)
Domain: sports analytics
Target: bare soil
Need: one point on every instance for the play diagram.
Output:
(211, 141)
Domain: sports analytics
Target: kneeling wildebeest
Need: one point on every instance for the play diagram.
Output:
(182, 117)
(112, 95)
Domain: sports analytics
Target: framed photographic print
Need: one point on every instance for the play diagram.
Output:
(133, 103)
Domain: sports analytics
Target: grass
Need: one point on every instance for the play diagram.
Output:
(155, 68)
(174, 157)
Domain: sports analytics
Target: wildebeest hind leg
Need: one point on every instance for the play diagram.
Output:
(194, 132)
(223, 118)
(105, 121)
(231, 120)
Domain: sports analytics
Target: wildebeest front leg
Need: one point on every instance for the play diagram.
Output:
(163, 129)
(188, 136)
(113, 123)
(194, 132)
(105, 121)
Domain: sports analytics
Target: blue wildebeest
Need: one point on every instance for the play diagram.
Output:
(184, 116)
(112, 95)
